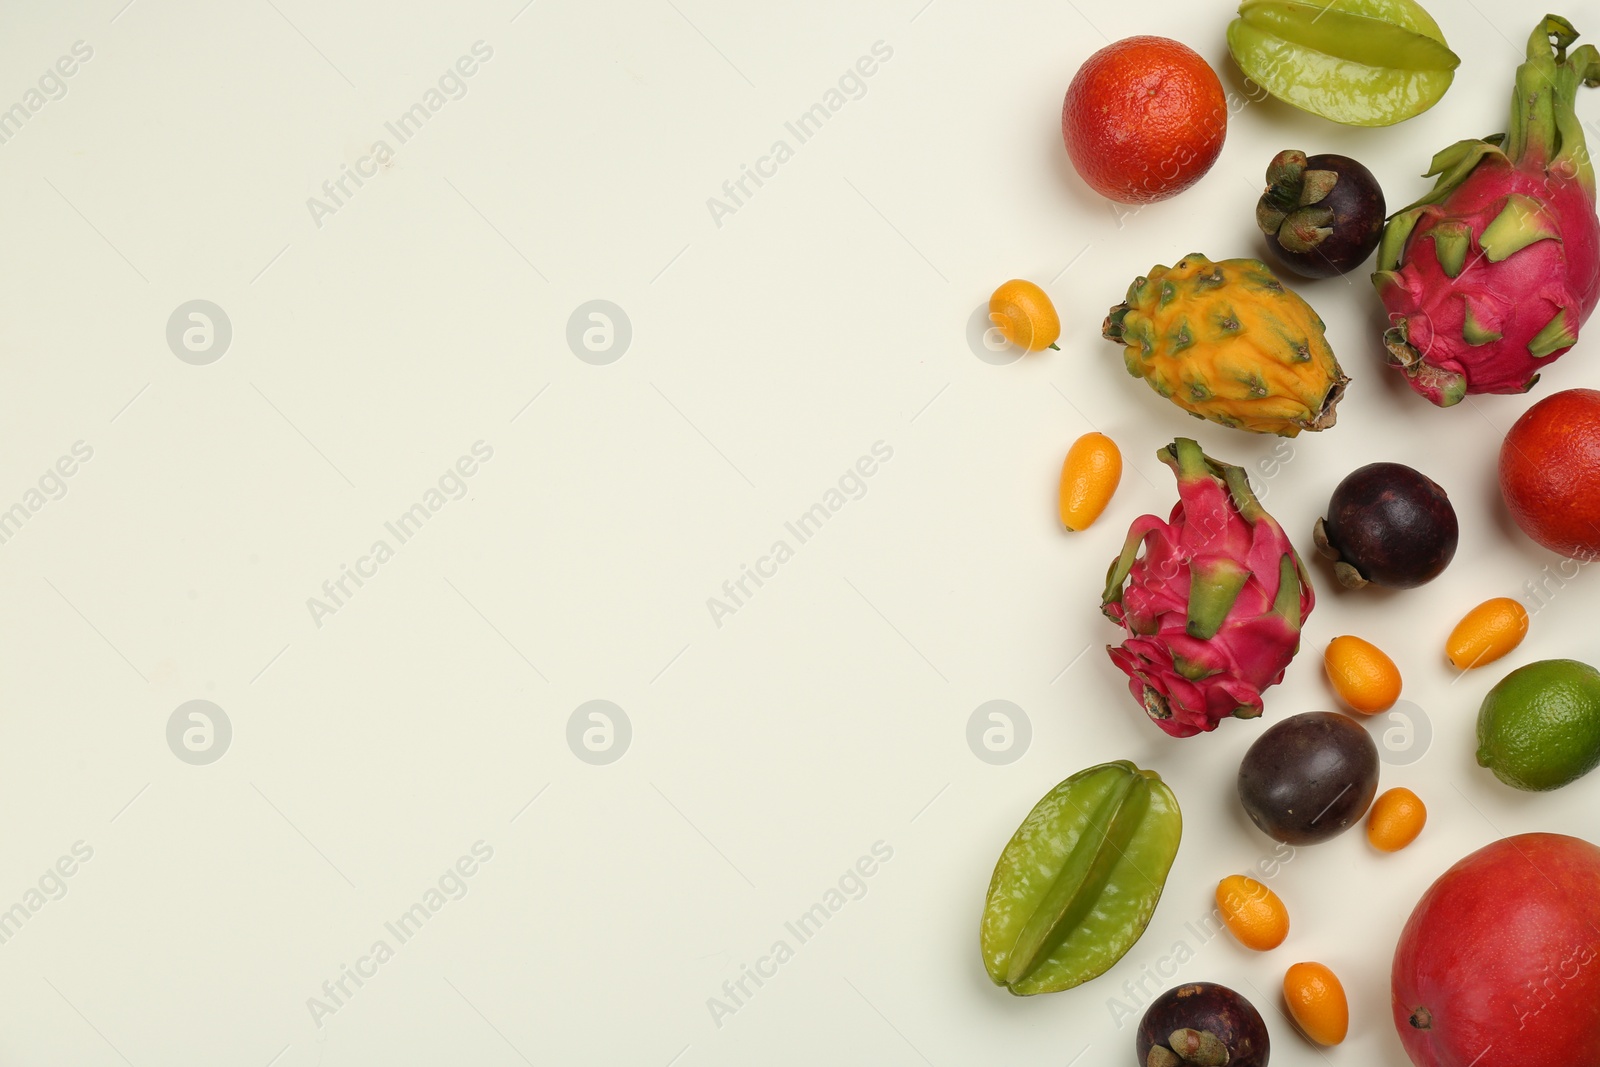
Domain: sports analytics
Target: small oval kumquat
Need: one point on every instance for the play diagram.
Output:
(1365, 679)
(1317, 1003)
(1089, 476)
(1253, 913)
(1024, 315)
(1486, 633)
(1397, 817)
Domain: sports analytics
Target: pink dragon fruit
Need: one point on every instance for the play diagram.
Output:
(1213, 607)
(1489, 277)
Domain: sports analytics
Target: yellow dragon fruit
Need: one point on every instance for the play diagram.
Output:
(1229, 342)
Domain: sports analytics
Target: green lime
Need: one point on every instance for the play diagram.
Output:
(1539, 727)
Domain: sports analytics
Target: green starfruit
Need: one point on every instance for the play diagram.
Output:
(1077, 883)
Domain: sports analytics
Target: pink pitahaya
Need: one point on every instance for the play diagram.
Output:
(1213, 607)
(1489, 277)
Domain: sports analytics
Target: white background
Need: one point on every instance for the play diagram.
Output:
(768, 354)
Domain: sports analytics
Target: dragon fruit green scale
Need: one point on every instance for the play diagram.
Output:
(1490, 276)
(1214, 603)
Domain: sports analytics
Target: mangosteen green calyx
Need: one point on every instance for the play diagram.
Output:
(1387, 525)
(1323, 215)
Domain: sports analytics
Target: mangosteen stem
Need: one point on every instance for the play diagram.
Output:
(1422, 1019)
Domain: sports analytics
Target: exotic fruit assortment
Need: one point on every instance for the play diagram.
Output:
(1214, 605)
(1228, 342)
(1485, 280)
(1489, 277)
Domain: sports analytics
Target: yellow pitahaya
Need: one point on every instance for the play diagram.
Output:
(1213, 607)
(1227, 341)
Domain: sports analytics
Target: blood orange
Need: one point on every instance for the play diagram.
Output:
(1550, 473)
(1144, 118)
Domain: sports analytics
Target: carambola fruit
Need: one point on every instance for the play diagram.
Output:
(1077, 883)
(1360, 62)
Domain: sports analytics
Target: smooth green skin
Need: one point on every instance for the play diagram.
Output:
(1077, 883)
(1306, 56)
(1539, 727)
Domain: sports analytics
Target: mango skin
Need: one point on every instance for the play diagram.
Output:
(1500, 952)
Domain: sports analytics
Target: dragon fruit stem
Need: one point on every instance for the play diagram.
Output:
(1574, 156)
(1186, 459)
(1189, 461)
(1544, 130)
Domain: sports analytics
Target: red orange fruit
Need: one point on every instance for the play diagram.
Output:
(1550, 473)
(1144, 118)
